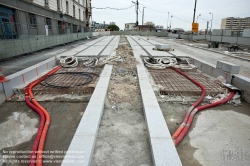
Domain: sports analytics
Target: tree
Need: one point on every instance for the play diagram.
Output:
(113, 28)
(150, 23)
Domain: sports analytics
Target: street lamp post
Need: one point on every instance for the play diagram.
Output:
(211, 22)
(170, 23)
(197, 18)
(167, 22)
(211, 25)
(143, 15)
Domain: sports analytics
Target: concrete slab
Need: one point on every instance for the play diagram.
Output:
(93, 116)
(80, 151)
(155, 119)
(163, 152)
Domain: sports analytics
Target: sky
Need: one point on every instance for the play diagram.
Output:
(181, 10)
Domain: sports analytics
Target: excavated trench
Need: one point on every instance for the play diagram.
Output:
(123, 137)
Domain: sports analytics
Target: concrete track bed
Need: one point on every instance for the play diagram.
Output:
(122, 138)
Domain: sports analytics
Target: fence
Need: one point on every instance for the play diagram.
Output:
(11, 48)
(10, 30)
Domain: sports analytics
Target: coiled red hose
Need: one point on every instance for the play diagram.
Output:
(190, 119)
(178, 131)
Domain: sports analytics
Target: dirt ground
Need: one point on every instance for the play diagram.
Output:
(213, 131)
(18, 127)
(123, 138)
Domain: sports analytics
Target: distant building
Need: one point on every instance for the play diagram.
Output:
(98, 27)
(159, 28)
(177, 30)
(130, 27)
(112, 23)
(22, 18)
(235, 24)
(146, 28)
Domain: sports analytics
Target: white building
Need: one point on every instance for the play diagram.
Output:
(130, 27)
(235, 24)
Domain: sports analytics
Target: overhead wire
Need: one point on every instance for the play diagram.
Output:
(167, 12)
(164, 3)
(113, 8)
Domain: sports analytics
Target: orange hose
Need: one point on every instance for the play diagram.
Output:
(46, 114)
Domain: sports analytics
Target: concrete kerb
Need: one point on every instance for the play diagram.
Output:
(86, 133)
(162, 147)
(24, 77)
(237, 80)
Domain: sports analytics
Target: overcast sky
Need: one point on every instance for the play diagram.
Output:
(182, 11)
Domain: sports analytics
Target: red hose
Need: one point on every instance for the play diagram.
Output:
(190, 119)
(42, 131)
(178, 131)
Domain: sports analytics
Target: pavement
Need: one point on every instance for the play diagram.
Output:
(205, 55)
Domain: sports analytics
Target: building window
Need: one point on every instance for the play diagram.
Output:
(79, 14)
(58, 4)
(46, 2)
(74, 11)
(48, 22)
(32, 18)
(67, 7)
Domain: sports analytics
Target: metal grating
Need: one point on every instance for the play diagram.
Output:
(175, 83)
(69, 80)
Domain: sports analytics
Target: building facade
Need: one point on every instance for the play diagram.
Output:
(235, 24)
(22, 18)
(146, 28)
(130, 27)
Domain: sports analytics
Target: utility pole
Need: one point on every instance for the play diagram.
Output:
(143, 15)
(211, 25)
(206, 30)
(137, 6)
(194, 12)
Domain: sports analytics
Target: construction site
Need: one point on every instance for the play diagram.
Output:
(117, 99)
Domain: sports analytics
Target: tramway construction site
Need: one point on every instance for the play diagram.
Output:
(116, 100)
